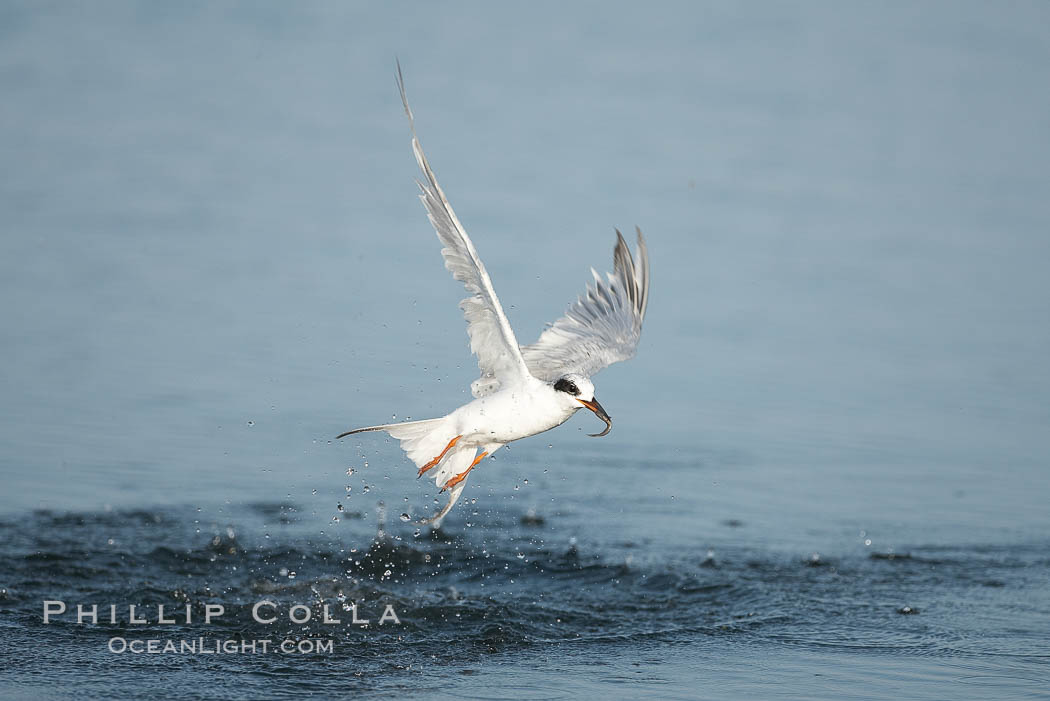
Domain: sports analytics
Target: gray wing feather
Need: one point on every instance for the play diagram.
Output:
(603, 326)
(491, 336)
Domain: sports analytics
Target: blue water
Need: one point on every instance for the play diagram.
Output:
(828, 473)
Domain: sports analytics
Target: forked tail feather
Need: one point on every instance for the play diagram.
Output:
(424, 440)
(407, 428)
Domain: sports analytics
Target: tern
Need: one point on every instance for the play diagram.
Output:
(523, 390)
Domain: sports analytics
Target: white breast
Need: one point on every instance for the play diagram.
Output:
(511, 414)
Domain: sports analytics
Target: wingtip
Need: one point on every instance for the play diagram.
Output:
(404, 96)
(643, 253)
(642, 271)
(621, 251)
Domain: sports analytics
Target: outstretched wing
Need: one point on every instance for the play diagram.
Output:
(491, 337)
(603, 326)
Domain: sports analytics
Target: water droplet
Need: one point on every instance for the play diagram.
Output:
(251, 423)
(474, 500)
(417, 533)
(366, 489)
(339, 507)
(406, 518)
(387, 573)
(867, 541)
(283, 572)
(521, 556)
(525, 481)
(349, 471)
(335, 519)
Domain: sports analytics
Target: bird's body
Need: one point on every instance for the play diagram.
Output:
(511, 414)
(525, 390)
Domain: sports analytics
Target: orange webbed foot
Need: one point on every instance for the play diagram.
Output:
(463, 475)
(436, 460)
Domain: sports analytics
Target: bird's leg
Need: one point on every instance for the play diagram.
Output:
(463, 475)
(436, 460)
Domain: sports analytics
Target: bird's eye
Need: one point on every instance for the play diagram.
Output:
(567, 386)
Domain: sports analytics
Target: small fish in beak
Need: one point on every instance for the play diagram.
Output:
(599, 411)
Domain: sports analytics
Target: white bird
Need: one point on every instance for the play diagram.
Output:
(525, 390)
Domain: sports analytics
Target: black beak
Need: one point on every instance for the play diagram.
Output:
(599, 411)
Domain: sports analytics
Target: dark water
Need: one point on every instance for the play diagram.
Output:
(828, 476)
(512, 606)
